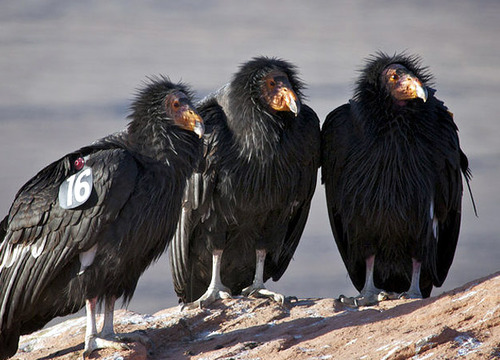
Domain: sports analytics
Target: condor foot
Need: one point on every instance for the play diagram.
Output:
(210, 296)
(262, 292)
(114, 341)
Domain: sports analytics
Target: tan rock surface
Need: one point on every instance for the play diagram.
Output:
(460, 324)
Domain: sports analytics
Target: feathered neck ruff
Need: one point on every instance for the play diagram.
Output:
(257, 129)
(371, 94)
(152, 133)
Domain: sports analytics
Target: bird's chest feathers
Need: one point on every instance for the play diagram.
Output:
(264, 180)
(390, 175)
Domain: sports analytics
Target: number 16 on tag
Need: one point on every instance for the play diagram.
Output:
(76, 189)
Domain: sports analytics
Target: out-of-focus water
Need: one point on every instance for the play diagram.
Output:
(69, 69)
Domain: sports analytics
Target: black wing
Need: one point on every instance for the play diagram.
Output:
(452, 164)
(297, 222)
(40, 237)
(196, 203)
(336, 133)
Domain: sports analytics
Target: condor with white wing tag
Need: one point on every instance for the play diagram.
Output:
(76, 189)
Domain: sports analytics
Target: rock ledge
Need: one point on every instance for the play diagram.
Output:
(462, 324)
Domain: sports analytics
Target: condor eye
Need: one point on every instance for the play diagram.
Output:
(394, 77)
(272, 83)
(176, 104)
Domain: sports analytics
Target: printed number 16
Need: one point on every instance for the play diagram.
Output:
(80, 189)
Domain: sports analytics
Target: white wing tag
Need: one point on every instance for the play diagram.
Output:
(76, 189)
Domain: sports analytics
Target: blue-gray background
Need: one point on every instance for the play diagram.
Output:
(68, 70)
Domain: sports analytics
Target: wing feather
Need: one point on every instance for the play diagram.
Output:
(37, 223)
(298, 220)
(452, 164)
(336, 133)
(195, 204)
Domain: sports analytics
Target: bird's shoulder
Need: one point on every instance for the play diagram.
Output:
(309, 115)
(444, 116)
(339, 117)
(337, 134)
(338, 127)
(217, 138)
(443, 131)
(310, 121)
(38, 205)
(211, 108)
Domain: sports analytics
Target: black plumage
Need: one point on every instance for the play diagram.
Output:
(53, 260)
(245, 210)
(392, 169)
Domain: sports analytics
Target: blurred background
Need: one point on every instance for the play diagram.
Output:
(68, 71)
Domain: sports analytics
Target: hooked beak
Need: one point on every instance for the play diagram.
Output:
(285, 99)
(292, 104)
(421, 91)
(408, 88)
(403, 84)
(199, 128)
(192, 121)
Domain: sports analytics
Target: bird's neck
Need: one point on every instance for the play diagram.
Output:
(165, 144)
(256, 131)
(385, 115)
(257, 136)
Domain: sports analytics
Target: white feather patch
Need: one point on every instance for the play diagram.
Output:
(435, 228)
(434, 219)
(12, 254)
(37, 248)
(5, 250)
(87, 258)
